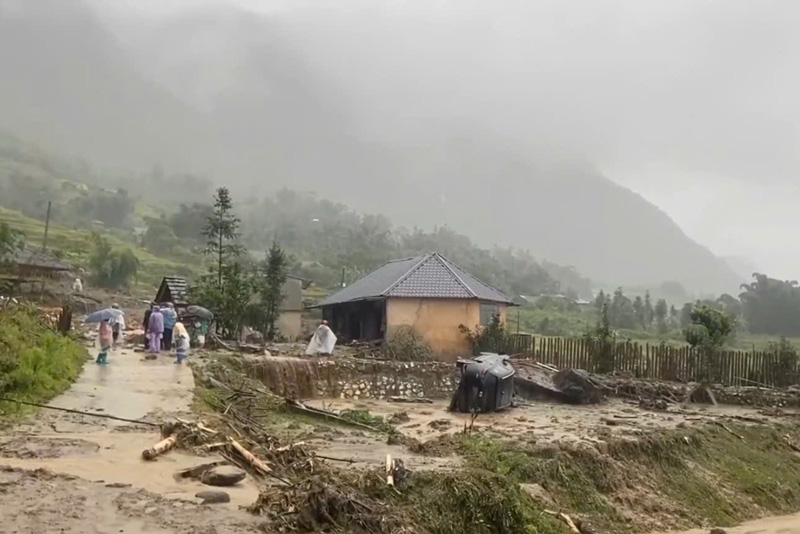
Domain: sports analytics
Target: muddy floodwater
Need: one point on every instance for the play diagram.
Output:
(789, 524)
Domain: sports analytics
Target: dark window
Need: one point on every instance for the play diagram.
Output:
(489, 312)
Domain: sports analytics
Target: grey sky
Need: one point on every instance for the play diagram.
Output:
(693, 104)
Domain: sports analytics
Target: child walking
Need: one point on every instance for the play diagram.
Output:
(106, 338)
(181, 338)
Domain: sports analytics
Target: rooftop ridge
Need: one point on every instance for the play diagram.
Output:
(412, 270)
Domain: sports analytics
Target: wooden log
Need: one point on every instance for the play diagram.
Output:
(389, 470)
(159, 448)
(254, 462)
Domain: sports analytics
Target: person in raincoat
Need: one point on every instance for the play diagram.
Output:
(117, 325)
(323, 341)
(155, 329)
(181, 339)
(105, 339)
(170, 318)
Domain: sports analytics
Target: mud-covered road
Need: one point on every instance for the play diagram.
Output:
(69, 473)
(789, 524)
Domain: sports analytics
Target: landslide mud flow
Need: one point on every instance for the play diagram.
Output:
(63, 472)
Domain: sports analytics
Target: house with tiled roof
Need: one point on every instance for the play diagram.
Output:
(429, 293)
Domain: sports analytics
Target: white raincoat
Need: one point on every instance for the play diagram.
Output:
(323, 341)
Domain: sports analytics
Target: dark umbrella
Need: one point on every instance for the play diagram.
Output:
(108, 314)
(199, 311)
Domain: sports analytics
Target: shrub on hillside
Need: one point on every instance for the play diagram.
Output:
(36, 363)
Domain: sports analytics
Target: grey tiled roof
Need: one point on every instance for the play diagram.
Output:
(38, 259)
(428, 276)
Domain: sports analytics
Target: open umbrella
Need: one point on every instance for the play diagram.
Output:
(199, 311)
(99, 316)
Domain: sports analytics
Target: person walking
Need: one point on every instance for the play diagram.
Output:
(105, 340)
(117, 325)
(170, 318)
(145, 325)
(323, 341)
(155, 330)
(182, 343)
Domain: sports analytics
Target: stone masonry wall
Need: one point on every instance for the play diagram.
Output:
(353, 378)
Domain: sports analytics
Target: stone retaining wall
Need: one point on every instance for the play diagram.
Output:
(353, 378)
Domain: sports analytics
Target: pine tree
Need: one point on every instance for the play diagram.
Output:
(648, 309)
(222, 231)
(661, 311)
(272, 289)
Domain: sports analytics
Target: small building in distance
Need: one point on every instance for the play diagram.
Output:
(290, 322)
(36, 263)
(429, 293)
(174, 289)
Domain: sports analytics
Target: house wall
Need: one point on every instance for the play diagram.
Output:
(290, 323)
(437, 320)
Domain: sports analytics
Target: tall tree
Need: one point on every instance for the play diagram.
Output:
(638, 311)
(771, 306)
(621, 313)
(222, 232)
(660, 312)
(10, 242)
(648, 309)
(600, 301)
(272, 289)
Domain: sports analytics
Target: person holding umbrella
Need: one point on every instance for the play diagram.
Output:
(105, 337)
(105, 332)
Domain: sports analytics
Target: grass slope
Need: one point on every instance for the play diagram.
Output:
(75, 246)
(36, 363)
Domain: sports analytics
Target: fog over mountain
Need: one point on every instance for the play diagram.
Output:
(506, 120)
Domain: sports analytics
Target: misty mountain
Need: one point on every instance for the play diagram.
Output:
(259, 102)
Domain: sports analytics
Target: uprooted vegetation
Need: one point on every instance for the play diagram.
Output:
(714, 474)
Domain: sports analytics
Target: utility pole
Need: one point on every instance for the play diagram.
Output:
(342, 276)
(46, 226)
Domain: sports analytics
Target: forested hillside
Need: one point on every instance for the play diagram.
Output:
(323, 237)
(286, 116)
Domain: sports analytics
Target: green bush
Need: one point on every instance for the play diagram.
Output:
(407, 344)
(36, 363)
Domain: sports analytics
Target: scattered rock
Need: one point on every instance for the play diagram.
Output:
(716, 531)
(212, 497)
(118, 485)
(399, 418)
(441, 424)
(224, 475)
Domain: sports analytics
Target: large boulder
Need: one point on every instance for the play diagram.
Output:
(223, 476)
(578, 387)
(212, 497)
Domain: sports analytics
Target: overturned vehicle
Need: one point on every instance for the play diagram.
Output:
(486, 385)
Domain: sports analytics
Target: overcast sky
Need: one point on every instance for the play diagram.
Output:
(693, 104)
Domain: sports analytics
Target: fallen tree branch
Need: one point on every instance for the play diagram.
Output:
(254, 462)
(719, 423)
(325, 414)
(101, 415)
(565, 518)
(159, 448)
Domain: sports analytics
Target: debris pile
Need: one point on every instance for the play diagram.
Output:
(578, 386)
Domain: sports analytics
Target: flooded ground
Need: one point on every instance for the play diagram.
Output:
(543, 422)
(789, 524)
(91, 469)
